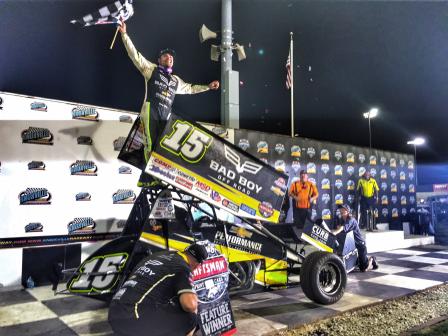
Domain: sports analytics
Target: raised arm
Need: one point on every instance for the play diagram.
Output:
(187, 88)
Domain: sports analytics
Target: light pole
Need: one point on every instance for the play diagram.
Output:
(370, 115)
(416, 142)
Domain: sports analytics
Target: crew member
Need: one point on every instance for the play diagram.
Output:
(367, 190)
(304, 193)
(349, 223)
(158, 297)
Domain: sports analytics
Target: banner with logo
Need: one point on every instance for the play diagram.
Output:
(336, 169)
(206, 166)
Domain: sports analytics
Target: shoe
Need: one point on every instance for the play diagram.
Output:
(374, 263)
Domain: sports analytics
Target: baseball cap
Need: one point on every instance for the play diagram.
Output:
(167, 51)
(302, 172)
(346, 207)
(199, 252)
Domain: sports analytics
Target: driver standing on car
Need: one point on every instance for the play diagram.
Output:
(349, 223)
(158, 297)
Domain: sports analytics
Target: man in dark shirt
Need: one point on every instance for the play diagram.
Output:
(158, 297)
(349, 223)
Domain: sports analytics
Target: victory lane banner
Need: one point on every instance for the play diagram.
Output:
(199, 162)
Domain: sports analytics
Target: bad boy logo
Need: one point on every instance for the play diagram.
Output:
(37, 135)
(1, 103)
(325, 168)
(279, 148)
(338, 155)
(312, 180)
(411, 175)
(244, 144)
(295, 151)
(412, 199)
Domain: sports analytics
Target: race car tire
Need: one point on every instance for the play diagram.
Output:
(323, 277)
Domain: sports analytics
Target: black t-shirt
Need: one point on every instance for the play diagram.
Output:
(156, 280)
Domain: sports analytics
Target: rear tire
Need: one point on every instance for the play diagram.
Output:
(323, 277)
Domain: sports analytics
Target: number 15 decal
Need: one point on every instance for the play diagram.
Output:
(187, 141)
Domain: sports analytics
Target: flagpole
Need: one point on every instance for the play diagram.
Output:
(292, 82)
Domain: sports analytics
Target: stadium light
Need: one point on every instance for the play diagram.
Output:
(373, 113)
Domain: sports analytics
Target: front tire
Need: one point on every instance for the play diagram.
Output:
(323, 277)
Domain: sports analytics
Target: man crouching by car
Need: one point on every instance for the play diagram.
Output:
(349, 223)
(158, 297)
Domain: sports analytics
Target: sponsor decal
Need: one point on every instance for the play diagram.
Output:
(164, 165)
(325, 184)
(324, 154)
(244, 144)
(402, 187)
(313, 214)
(312, 180)
(119, 143)
(385, 212)
(412, 199)
(412, 210)
(123, 196)
(248, 209)
(296, 151)
(339, 199)
(350, 185)
(245, 167)
(187, 183)
(351, 198)
(125, 119)
(230, 205)
(265, 209)
(163, 172)
(311, 152)
(320, 234)
(326, 214)
(125, 170)
(220, 131)
(34, 227)
(403, 200)
(393, 162)
(37, 135)
(338, 170)
(311, 168)
(338, 184)
(325, 168)
(394, 213)
(411, 188)
(84, 140)
(338, 155)
(410, 164)
(35, 196)
(411, 175)
(83, 196)
(85, 113)
(280, 166)
(402, 163)
(163, 208)
(81, 225)
(376, 213)
(350, 158)
(238, 242)
(404, 211)
(295, 166)
(383, 174)
(215, 196)
(202, 187)
(325, 198)
(83, 167)
(38, 106)
(361, 158)
(361, 171)
(280, 148)
(384, 200)
(240, 232)
(373, 172)
(372, 160)
(279, 187)
(393, 187)
(383, 160)
(262, 147)
(402, 176)
(36, 165)
(393, 174)
(1, 103)
(350, 170)
(394, 199)
(383, 186)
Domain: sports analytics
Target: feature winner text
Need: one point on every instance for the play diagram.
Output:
(218, 318)
(230, 178)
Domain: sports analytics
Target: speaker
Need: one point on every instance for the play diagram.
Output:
(206, 34)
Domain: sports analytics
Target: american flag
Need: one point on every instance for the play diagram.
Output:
(110, 14)
(288, 71)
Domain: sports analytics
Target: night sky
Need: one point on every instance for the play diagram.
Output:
(349, 57)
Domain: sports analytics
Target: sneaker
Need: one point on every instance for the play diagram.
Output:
(374, 263)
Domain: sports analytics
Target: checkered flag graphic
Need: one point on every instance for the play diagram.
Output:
(110, 14)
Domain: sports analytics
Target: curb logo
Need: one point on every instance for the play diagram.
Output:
(85, 113)
(83, 167)
(37, 135)
(35, 196)
(81, 225)
(124, 196)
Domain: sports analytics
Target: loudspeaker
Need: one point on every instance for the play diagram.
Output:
(206, 34)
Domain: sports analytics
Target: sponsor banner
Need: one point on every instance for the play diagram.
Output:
(201, 163)
(440, 187)
(163, 209)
